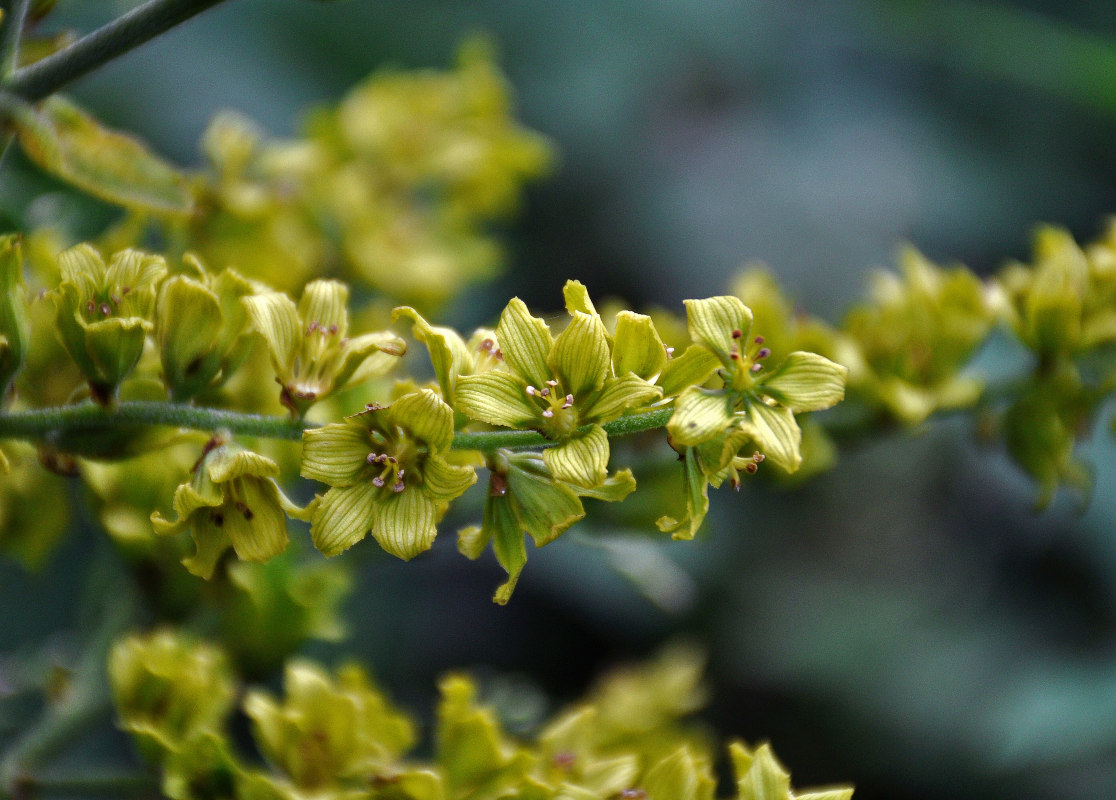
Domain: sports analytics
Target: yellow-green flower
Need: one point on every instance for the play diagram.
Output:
(309, 344)
(563, 387)
(329, 730)
(168, 689)
(231, 501)
(200, 326)
(103, 312)
(753, 412)
(389, 473)
(759, 776)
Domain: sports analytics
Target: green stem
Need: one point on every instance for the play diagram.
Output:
(494, 440)
(126, 32)
(47, 423)
(15, 15)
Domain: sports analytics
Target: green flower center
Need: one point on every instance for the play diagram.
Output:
(105, 303)
(748, 361)
(315, 363)
(394, 462)
(555, 407)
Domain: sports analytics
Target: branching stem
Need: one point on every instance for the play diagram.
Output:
(124, 33)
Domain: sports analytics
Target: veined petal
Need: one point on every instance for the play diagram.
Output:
(274, 315)
(210, 543)
(257, 527)
(545, 508)
(471, 541)
(806, 382)
(582, 460)
(229, 462)
(403, 523)
(443, 481)
(614, 488)
(580, 356)
(699, 415)
(82, 266)
(577, 298)
(696, 490)
(692, 368)
(507, 544)
(448, 352)
(336, 453)
(776, 433)
(759, 774)
(357, 351)
(525, 342)
(343, 516)
(115, 345)
(619, 395)
(497, 398)
(425, 416)
(325, 302)
(637, 347)
(713, 321)
(135, 269)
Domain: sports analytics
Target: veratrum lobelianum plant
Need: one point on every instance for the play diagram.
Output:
(185, 385)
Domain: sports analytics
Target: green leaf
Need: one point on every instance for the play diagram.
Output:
(525, 342)
(497, 398)
(806, 382)
(636, 347)
(582, 460)
(70, 144)
(713, 321)
(580, 357)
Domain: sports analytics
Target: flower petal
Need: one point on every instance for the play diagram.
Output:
(326, 303)
(507, 544)
(443, 481)
(256, 526)
(614, 488)
(448, 352)
(343, 517)
(231, 461)
(577, 298)
(619, 395)
(403, 523)
(699, 415)
(696, 490)
(777, 434)
(274, 315)
(582, 460)
(545, 508)
(637, 347)
(806, 382)
(525, 342)
(336, 453)
(692, 368)
(497, 398)
(425, 416)
(713, 321)
(580, 356)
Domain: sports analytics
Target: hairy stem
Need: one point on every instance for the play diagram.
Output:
(45, 423)
(128, 31)
(93, 785)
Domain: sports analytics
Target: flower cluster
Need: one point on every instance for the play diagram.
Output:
(335, 735)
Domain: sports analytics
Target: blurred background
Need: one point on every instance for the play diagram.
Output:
(904, 622)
